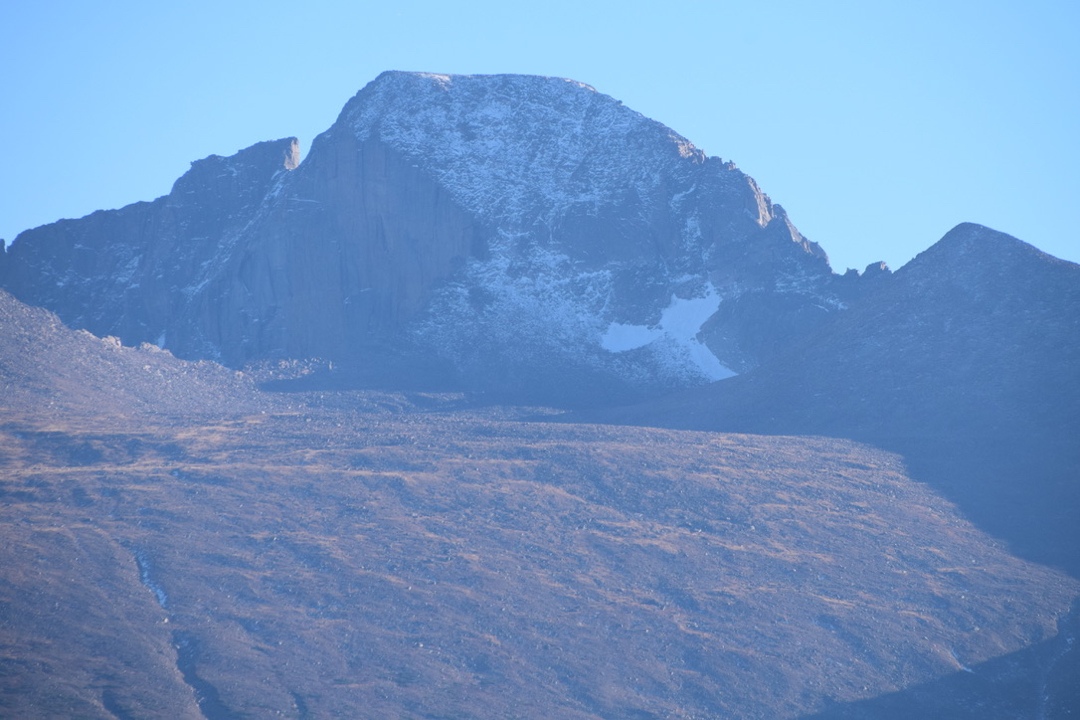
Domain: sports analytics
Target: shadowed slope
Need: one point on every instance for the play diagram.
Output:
(1037, 682)
(967, 362)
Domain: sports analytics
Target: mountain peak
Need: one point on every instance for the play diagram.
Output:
(973, 242)
(986, 262)
(511, 221)
(445, 80)
(517, 145)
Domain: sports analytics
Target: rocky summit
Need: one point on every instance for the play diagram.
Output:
(523, 232)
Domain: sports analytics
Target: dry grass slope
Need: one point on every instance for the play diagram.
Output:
(325, 563)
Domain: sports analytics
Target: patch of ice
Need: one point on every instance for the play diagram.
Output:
(680, 324)
(709, 365)
(677, 198)
(147, 578)
(620, 337)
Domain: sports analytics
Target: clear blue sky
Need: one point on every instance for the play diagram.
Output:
(878, 126)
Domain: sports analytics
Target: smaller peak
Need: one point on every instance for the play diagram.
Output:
(969, 227)
(969, 231)
(259, 161)
(877, 269)
(973, 249)
(972, 239)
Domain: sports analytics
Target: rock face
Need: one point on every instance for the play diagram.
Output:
(134, 272)
(979, 335)
(528, 224)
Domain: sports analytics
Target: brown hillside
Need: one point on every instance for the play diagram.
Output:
(335, 564)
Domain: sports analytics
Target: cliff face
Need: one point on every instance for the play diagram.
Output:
(340, 258)
(128, 272)
(522, 223)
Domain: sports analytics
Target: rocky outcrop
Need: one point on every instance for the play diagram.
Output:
(132, 272)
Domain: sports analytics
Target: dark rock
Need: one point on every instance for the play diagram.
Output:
(133, 272)
(876, 269)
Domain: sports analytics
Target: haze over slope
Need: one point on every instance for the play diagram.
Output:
(47, 369)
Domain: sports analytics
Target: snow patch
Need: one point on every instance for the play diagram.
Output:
(680, 324)
(620, 337)
(437, 77)
(146, 576)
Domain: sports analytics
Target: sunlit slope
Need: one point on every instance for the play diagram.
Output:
(336, 564)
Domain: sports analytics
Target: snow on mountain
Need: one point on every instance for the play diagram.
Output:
(680, 322)
(519, 229)
(520, 150)
(590, 206)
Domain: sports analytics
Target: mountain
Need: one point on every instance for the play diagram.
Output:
(966, 361)
(977, 334)
(530, 233)
(294, 439)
